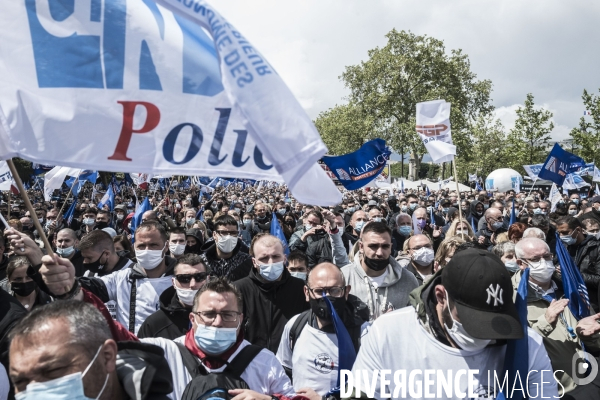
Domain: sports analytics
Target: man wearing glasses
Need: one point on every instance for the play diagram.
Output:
(549, 315)
(173, 318)
(223, 255)
(421, 264)
(214, 342)
(309, 350)
(493, 227)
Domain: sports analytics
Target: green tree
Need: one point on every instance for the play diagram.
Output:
(587, 136)
(529, 140)
(344, 128)
(410, 69)
(487, 151)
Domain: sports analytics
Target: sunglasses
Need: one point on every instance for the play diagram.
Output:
(187, 278)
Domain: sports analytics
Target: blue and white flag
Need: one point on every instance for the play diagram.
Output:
(472, 178)
(587, 170)
(573, 182)
(152, 86)
(533, 170)
(137, 217)
(108, 199)
(277, 231)
(560, 163)
(70, 212)
(356, 169)
(478, 186)
(573, 285)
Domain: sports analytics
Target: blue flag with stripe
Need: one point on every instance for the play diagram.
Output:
(137, 217)
(573, 284)
(516, 359)
(560, 163)
(277, 231)
(346, 350)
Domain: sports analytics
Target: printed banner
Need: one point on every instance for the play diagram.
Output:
(165, 87)
(433, 127)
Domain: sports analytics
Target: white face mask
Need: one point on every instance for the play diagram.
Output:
(271, 272)
(149, 259)
(227, 243)
(424, 256)
(66, 252)
(541, 271)
(511, 266)
(186, 295)
(460, 336)
(299, 275)
(176, 249)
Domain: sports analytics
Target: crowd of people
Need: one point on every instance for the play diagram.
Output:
(201, 301)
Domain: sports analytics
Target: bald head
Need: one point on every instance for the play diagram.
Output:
(149, 216)
(529, 247)
(67, 232)
(493, 213)
(326, 275)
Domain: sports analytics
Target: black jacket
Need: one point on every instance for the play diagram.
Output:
(11, 311)
(3, 265)
(592, 214)
(143, 371)
(234, 268)
(317, 247)
(171, 321)
(587, 259)
(268, 306)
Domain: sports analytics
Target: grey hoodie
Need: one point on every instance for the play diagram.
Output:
(391, 295)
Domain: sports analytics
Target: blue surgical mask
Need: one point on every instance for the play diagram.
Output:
(576, 201)
(376, 219)
(413, 206)
(497, 225)
(404, 230)
(215, 340)
(511, 266)
(568, 240)
(445, 210)
(358, 225)
(68, 387)
(351, 209)
(271, 272)
(537, 210)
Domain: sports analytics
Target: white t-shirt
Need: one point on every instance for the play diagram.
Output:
(378, 280)
(315, 359)
(397, 341)
(264, 374)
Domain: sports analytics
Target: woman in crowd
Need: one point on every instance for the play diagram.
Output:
(22, 287)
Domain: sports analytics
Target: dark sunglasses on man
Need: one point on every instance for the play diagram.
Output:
(187, 278)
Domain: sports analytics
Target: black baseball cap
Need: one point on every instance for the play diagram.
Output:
(481, 289)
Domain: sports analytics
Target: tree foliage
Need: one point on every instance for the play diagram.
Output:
(529, 140)
(587, 135)
(487, 151)
(385, 89)
(344, 128)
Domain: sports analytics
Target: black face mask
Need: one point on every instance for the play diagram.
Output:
(102, 225)
(376, 264)
(320, 309)
(123, 253)
(23, 289)
(95, 266)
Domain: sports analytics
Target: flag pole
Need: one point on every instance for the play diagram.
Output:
(460, 218)
(532, 185)
(68, 194)
(29, 207)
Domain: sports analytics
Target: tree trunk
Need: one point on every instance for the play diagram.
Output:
(413, 166)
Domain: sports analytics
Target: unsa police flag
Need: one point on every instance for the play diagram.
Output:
(433, 127)
(156, 87)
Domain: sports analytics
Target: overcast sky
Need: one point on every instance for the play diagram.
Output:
(548, 48)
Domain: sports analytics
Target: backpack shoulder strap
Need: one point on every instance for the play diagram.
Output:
(297, 327)
(238, 365)
(191, 363)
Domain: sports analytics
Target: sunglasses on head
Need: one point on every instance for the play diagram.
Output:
(187, 278)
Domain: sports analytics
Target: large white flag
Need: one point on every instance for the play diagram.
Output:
(554, 197)
(433, 127)
(157, 87)
(55, 178)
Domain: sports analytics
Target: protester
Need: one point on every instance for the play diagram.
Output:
(271, 295)
(549, 315)
(172, 320)
(214, 341)
(99, 255)
(313, 239)
(223, 255)
(458, 326)
(298, 265)
(376, 278)
(506, 252)
(135, 291)
(76, 356)
(309, 349)
(177, 242)
(447, 249)
(22, 287)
